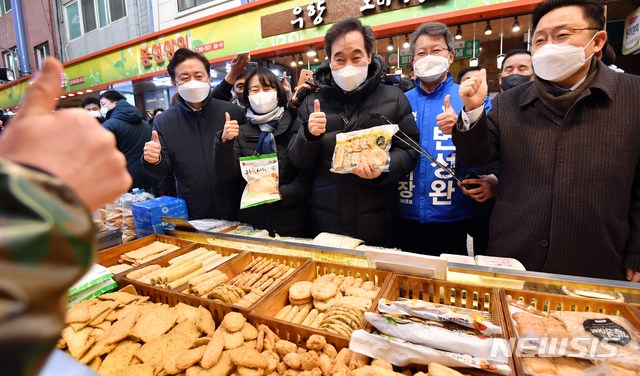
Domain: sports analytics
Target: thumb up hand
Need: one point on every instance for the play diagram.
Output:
(317, 120)
(231, 128)
(448, 118)
(152, 149)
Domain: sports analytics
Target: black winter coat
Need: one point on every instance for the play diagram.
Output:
(286, 217)
(187, 137)
(132, 132)
(348, 204)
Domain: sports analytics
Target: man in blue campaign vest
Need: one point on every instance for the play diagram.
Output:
(432, 211)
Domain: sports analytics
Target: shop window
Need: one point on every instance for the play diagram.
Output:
(9, 58)
(41, 52)
(117, 9)
(73, 21)
(84, 16)
(187, 4)
(5, 6)
(88, 15)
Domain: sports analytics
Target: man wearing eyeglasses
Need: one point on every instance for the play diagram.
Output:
(432, 212)
(569, 150)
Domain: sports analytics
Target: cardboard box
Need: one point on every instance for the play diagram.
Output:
(146, 214)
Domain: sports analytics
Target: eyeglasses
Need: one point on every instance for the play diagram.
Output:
(560, 36)
(436, 51)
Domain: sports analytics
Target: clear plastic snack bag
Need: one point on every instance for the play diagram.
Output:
(128, 227)
(263, 180)
(369, 145)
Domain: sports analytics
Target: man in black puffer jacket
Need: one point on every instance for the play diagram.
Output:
(182, 141)
(358, 204)
(131, 130)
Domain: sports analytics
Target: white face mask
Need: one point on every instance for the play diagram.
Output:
(194, 91)
(95, 114)
(263, 102)
(431, 67)
(350, 77)
(557, 62)
(103, 111)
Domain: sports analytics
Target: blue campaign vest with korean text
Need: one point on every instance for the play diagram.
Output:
(430, 194)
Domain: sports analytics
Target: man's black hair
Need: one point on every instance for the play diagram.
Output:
(515, 51)
(267, 78)
(89, 100)
(593, 11)
(112, 95)
(345, 26)
(465, 71)
(183, 54)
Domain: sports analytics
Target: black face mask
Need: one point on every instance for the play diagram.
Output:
(513, 80)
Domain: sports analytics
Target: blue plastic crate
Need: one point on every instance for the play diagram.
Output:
(146, 214)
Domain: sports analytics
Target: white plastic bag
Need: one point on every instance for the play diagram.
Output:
(402, 353)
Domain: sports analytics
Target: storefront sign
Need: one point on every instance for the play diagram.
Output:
(464, 49)
(392, 58)
(209, 47)
(76, 81)
(312, 15)
(631, 36)
(161, 51)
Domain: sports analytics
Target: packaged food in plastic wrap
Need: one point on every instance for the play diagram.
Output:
(446, 336)
(469, 318)
(123, 206)
(262, 176)
(605, 336)
(402, 353)
(369, 145)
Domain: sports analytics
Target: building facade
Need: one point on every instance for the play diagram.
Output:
(39, 35)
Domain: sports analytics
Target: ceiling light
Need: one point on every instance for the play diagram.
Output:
(406, 42)
(71, 94)
(63, 96)
(80, 92)
(516, 25)
(293, 61)
(487, 30)
(311, 52)
(89, 91)
(300, 61)
(390, 45)
(315, 59)
(459, 33)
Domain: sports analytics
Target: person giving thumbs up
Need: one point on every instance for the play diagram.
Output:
(317, 120)
(448, 118)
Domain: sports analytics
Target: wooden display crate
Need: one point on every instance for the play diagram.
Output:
(553, 302)
(231, 267)
(265, 311)
(482, 298)
(111, 256)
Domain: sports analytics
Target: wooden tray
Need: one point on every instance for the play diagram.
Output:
(265, 311)
(232, 268)
(480, 298)
(553, 302)
(110, 256)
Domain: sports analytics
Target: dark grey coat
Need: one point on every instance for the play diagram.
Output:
(569, 194)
